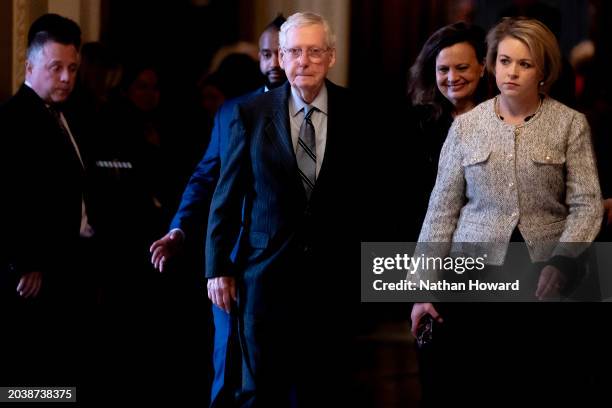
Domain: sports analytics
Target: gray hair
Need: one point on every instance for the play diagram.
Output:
(41, 38)
(35, 49)
(305, 19)
(33, 53)
(52, 28)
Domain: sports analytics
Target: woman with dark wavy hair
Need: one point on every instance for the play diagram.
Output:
(446, 80)
(445, 77)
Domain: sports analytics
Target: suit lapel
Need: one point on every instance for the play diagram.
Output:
(279, 133)
(278, 130)
(60, 139)
(334, 110)
(75, 129)
(331, 116)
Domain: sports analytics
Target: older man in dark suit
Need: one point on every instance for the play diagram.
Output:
(285, 184)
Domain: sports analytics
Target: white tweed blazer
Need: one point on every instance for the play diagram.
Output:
(493, 176)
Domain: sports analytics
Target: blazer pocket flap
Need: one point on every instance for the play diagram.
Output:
(548, 158)
(258, 239)
(558, 226)
(476, 157)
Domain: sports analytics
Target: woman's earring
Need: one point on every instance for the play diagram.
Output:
(541, 83)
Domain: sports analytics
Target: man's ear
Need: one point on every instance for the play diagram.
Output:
(332, 57)
(28, 67)
(281, 62)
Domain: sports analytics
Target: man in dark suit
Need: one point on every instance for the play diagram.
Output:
(43, 185)
(284, 187)
(189, 223)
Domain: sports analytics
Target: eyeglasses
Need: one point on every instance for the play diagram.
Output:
(314, 54)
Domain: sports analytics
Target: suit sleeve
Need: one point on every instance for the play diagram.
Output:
(195, 202)
(224, 220)
(27, 219)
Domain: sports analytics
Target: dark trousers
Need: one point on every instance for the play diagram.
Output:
(226, 359)
(298, 352)
(487, 354)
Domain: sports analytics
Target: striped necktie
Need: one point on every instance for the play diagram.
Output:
(306, 152)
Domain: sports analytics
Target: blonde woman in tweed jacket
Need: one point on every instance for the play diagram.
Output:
(518, 161)
(519, 166)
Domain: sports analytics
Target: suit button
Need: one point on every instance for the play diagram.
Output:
(306, 249)
(517, 132)
(510, 184)
(513, 214)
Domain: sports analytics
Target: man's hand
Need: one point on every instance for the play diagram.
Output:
(608, 210)
(165, 248)
(29, 285)
(418, 311)
(221, 291)
(550, 283)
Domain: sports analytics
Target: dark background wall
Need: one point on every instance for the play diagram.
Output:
(179, 37)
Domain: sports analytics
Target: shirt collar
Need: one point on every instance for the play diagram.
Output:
(296, 104)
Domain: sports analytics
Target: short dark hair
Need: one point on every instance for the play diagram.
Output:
(53, 27)
(422, 87)
(276, 23)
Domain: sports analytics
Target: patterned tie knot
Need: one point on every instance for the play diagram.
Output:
(308, 110)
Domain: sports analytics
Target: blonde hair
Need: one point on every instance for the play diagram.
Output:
(305, 19)
(540, 41)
